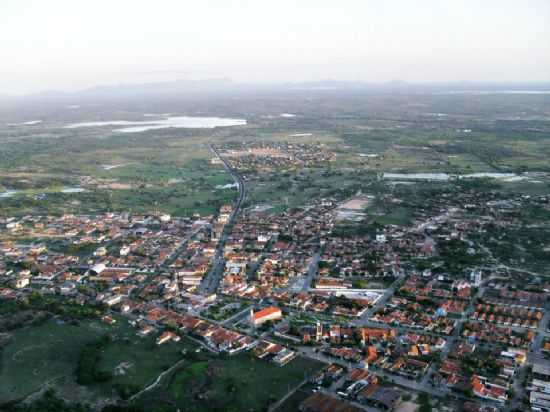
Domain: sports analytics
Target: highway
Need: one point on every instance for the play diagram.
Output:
(212, 279)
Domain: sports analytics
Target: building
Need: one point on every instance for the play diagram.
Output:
(22, 282)
(385, 399)
(540, 401)
(319, 402)
(476, 277)
(167, 336)
(487, 390)
(268, 314)
(539, 397)
(284, 356)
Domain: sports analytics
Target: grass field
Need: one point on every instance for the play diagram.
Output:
(135, 172)
(399, 216)
(49, 354)
(144, 359)
(169, 169)
(40, 354)
(239, 383)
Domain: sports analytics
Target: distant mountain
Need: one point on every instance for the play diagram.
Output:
(224, 86)
(170, 87)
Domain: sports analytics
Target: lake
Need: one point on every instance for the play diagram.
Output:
(185, 122)
(7, 193)
(445, 176)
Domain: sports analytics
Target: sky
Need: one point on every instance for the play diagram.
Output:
(75, 44)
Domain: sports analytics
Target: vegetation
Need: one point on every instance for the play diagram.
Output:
(87, 371)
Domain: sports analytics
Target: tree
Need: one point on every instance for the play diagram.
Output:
(424, 402)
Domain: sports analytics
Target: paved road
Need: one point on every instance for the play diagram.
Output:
(364, 319)
(171, 259)
(311, 272)
(237, 317)
(211, 281)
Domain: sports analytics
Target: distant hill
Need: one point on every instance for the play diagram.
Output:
(225, 86)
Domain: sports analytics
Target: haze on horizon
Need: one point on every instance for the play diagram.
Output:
(70, 45)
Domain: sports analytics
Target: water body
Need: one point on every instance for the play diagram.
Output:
(445, 176)
(11, 193)
(184, 122)
(72, 190)
(494, 92)
(29, 123)
(7, 193)
(228, 186)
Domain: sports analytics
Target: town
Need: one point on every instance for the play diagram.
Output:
(396, 315)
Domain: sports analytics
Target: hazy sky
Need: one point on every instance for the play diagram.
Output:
(72, 44)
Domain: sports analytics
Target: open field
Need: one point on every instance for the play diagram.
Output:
(136, 362)
(49, 353)
(169, 169)
(234, 383)
(39, 354)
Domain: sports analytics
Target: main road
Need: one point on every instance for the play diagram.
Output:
(211, 281)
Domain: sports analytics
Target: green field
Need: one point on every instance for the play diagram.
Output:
(169, 170)
(49, 353)
(236, 383)
(144, 359)
(41, 354)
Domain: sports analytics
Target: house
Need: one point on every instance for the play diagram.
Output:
(146, 330)
(487, 390)
(540, 381)
(22, 282)
(540, 401)
(268, 314)
(166, 337)
(112, 300)
(109, 320)
(319, 402)
(266, 348)
(284, 356)
(356, 375)
(385, 399)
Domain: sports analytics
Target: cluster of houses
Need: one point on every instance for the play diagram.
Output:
(494, 334)
(266, 156)
(487, 374)
(69, 245)
(539, 387)
(357, 385)
(266, 252)
(298, 263)
(213, 336)
(429, 302)
(518, 316)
